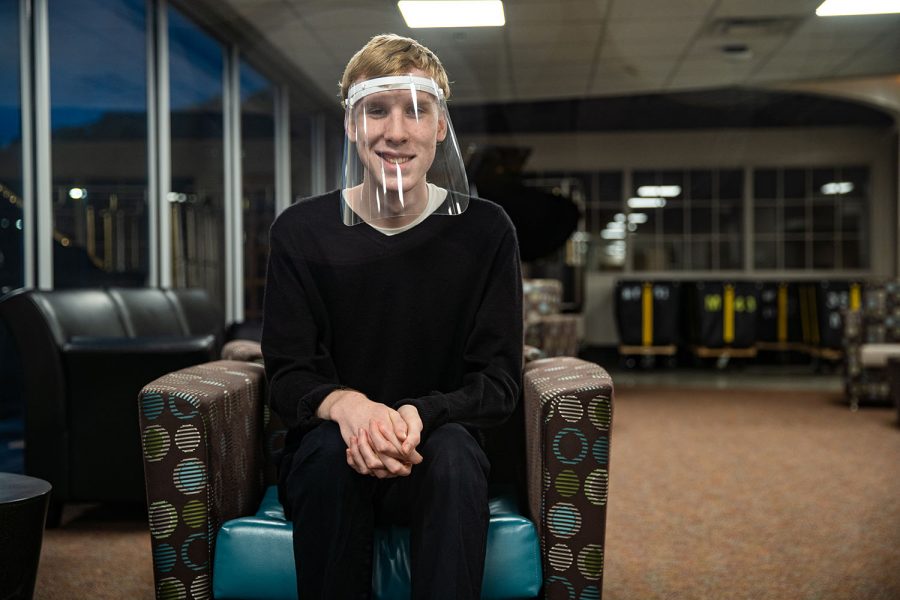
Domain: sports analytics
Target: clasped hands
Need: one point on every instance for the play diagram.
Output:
(381, 441)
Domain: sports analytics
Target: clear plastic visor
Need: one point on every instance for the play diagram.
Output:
(401, 158)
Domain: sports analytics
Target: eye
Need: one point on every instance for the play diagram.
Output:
(375, 109)
(420, 109)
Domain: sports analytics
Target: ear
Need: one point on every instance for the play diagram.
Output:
(349, 126)
(442, 129)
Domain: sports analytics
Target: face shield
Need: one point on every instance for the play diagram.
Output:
(401, 158)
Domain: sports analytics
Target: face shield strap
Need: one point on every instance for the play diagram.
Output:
(360, 90)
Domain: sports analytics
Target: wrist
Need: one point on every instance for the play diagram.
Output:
(330, 407)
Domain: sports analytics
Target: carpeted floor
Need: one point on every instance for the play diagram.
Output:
(713, 494)
(752, 494)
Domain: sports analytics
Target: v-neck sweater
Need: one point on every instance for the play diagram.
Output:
(430, 317)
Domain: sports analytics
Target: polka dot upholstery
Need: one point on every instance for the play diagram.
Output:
(206, 434)
(202, 464)
(568, 412)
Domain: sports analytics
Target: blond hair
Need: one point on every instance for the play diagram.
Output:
(392, 54)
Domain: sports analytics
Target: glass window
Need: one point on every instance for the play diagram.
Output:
(258, 161)
(334, 151)
(794, 183)
(731, 184)
(816, 220)
(765, 184)
(197, 197)
(301, 155)
(699, 210)
(98, 112)
(11, 207)
(701, 185)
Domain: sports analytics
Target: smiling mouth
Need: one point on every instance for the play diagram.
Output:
(395, 160)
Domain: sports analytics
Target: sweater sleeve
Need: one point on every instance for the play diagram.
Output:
(299, 368)
(493, 352)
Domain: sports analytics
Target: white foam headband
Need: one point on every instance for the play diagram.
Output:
(362, 89)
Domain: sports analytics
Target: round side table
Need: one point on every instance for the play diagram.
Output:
(23, 510)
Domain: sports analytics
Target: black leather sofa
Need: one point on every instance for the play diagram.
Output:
(85, 354)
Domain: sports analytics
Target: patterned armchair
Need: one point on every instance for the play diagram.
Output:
(555, 333)
(206, 435)
(871, 338)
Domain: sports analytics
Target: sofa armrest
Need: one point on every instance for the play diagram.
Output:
(568, 414)
(201, 433)
(245, 350)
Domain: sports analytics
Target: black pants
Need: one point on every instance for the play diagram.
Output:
(334, 511)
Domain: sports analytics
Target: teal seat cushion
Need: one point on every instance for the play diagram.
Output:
(254, 557)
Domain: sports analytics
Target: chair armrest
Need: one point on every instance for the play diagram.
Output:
(201, 433)
(568, 414)
(245, 350)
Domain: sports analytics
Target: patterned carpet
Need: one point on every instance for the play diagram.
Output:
(713, 494)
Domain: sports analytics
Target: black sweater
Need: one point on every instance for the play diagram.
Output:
(430, 317)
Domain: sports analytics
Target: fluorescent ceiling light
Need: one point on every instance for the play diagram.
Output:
(612, 234)
(462, 13)
(837, 187)
(837, 8)
(659, 191)
(646, 202)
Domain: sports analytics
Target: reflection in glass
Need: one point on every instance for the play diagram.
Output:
(11, 208)
(701, 256)
(98, 68)
(731, 220)
(765, 253)
(258, 161)
(765, 219)
(197, 197)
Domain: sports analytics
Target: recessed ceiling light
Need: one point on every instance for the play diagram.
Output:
(837, 8)
(461, 13)
(653, 191)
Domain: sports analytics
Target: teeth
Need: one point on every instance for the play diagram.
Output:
(397, 161)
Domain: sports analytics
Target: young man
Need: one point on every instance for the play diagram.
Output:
(392, 334)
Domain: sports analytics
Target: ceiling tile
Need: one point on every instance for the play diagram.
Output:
(535, 33)
(561, 52)
(643, 9)
(649, 31)
(548, 47)
(376, 19)
(518, 13)
(766, 8)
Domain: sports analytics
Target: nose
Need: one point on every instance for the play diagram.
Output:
(395, 128)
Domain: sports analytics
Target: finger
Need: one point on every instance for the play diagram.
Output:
(412, 441)
(372, 460)
(398, 424)
(356, 460)
(393, 463)
(382, 441)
